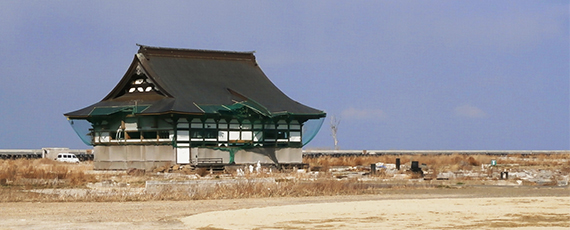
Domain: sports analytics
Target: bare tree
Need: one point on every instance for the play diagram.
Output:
(334, 129)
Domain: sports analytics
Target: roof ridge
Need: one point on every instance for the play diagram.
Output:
(147, 49)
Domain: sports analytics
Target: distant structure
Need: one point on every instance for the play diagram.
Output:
(49, 153)
(184, 106)
(334, 128)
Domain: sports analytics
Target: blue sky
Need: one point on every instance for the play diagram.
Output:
(432, 75)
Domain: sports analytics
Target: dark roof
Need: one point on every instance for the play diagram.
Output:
(186, 81)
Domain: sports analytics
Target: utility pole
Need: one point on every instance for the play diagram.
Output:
(334, 129)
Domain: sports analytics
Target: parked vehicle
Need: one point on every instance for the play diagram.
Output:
(67, 157)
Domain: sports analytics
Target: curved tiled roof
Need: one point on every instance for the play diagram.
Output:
(184, 81)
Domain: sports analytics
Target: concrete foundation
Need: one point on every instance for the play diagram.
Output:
(122, 157)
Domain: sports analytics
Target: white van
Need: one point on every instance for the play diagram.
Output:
(67, 157)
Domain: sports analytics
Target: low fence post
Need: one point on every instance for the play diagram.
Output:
(398, 163)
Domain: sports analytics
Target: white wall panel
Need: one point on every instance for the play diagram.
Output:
(183, 135)
(234, 135)
(247, 135)
(183, 155)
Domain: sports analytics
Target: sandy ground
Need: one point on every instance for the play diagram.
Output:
(455, 213)
(443, 208)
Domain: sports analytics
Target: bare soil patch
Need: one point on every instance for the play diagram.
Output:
(171, 214)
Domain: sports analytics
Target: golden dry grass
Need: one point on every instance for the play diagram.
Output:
(43, 173)
(258, 190)
(451, 162)
(19, 177)
(229, 191)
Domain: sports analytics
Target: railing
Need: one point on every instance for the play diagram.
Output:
(210, 160)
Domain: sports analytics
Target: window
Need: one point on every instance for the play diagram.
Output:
(276, 134)
(117, 135)
(210, 133)
(149, 135)
(141, 85)
(196, 134)
(163, 134)
(282, 134)
(206, 133)
(134, 135)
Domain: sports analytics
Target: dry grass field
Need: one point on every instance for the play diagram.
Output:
(44, 180)
(456, 192)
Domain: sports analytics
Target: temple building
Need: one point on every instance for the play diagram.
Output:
(184, 106)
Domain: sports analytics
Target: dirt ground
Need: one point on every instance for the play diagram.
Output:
(487, 207)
